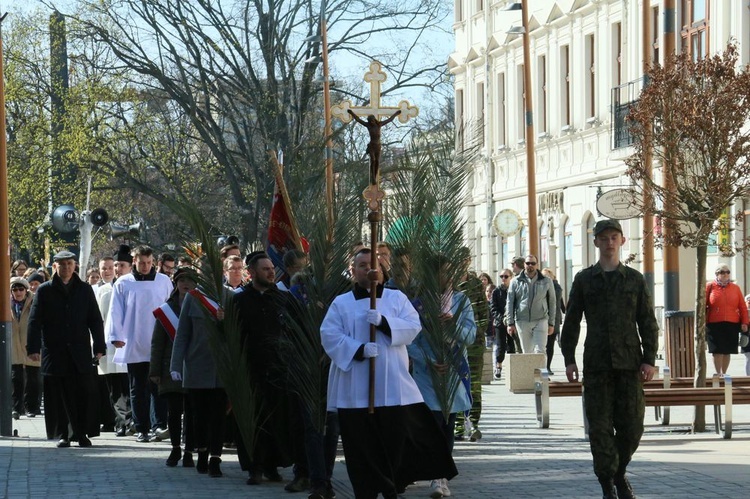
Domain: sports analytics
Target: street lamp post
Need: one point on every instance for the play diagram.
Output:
(533, 232)
(6, 424)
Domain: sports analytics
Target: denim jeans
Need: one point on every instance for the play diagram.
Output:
(321, 447)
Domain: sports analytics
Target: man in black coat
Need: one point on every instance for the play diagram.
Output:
(64, 320)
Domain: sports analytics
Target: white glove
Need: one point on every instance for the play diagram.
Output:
(374, 317)
(371, 350)
(176, 376)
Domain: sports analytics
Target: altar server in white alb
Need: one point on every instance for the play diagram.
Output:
(379, 457)
(130, 326)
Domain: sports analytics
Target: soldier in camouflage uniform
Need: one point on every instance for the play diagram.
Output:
(473, 288)
(619, 354)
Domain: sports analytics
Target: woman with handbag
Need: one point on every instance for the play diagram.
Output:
(726, 314)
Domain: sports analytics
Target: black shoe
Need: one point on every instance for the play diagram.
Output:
(174, 457)
(608, 489)
(214, 467)
(272, 475)
(459, 438)
(254, 478)
(202, 466)
(84, 441)
(317, 493)
(330, 494)
(121, 431)
(187, 460)
(624, 490)
(16, 415)
(63, 443)
(298, 484)
(143, 438)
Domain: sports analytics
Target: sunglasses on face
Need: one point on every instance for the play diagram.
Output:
(18, 289)
(504, 277)
(722, 272)
(530, 263)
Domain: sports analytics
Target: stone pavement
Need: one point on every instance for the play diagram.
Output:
(513, 459)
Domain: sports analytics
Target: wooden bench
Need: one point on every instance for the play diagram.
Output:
(544, 389)
(727, 395)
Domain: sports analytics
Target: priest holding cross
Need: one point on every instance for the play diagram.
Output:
(390, 436)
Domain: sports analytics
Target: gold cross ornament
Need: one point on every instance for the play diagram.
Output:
(375, 77)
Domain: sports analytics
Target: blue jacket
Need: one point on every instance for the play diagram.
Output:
(422, 357)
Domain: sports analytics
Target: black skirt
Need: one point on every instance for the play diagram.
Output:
(722, 337)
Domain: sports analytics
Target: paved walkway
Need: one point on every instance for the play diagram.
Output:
(514, 459)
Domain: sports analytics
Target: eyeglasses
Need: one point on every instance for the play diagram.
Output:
(722, 272)
(530, 263)
(504, 277)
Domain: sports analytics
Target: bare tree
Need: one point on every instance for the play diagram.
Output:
(696, 113)
(236, 70)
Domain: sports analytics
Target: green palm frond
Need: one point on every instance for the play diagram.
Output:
(429, 193)
(226, 341)
(323, 281)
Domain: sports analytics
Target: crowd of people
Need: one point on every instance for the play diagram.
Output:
(128, 350)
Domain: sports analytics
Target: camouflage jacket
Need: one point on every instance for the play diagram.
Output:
(473, 288)
(622, 332)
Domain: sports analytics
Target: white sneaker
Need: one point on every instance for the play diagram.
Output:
(446, 490)
(436, 489)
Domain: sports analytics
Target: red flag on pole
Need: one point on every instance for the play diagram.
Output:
(282, 228)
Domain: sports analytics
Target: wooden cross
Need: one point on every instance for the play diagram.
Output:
(373, 113)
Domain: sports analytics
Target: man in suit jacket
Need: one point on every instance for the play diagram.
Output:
(64, 320)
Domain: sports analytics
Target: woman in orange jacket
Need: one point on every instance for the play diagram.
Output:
(726, 315)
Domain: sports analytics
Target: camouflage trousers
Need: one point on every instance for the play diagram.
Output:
(614, 408)
(475, 353)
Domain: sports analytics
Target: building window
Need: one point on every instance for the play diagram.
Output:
(565, 85)
(544, 246)
(459, 10)
(460, 120)
(590, 77)
(655, 35)
(542, 78)
(504, 255)
(568, 256)
(588, 241)
(521, 102)
(524, 241)
(695, 24)
(480, 5)
(502, 139)
(479, 125)
(617, 54)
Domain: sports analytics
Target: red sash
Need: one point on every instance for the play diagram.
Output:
(208, 303)
(167, 318)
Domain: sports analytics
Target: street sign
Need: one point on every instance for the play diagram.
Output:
(620, 204)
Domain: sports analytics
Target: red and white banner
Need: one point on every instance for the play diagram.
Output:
(168, 319)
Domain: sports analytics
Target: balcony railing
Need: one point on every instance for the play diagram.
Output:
(623, 98)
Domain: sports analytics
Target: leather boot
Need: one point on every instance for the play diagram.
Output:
(608, 488)
(174, 457)
(214, 468)
(187, 460)
(624, 490)
(202, 466)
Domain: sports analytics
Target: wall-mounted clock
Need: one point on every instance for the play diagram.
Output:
(507, 223)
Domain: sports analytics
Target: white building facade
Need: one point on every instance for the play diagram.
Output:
(586, 59)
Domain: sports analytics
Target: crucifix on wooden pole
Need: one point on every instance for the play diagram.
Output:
(375, 117)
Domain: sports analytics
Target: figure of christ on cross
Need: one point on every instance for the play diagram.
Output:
(373, 148)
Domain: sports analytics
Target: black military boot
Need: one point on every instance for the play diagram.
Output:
(624, 490)
(608, 488)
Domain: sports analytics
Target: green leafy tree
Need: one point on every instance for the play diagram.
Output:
(695, 112)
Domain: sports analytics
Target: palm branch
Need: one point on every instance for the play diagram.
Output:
(227, 346)
(429, 190)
